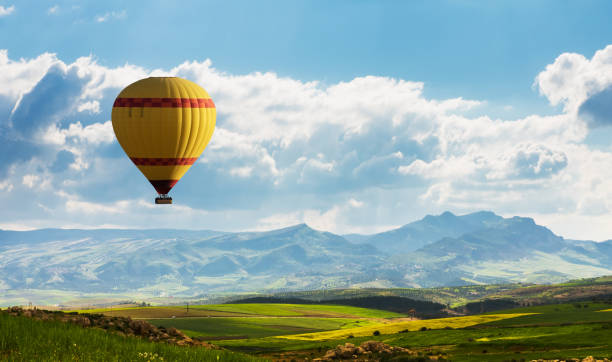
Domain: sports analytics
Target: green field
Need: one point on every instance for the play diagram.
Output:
(245, 310)
(26, 339)
(249, 327)
(300, 331)
(555, 331)
(556, 314)
(301, 310)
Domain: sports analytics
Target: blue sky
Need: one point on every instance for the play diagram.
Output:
(471, 105)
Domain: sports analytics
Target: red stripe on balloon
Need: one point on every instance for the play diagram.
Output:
(165, 102)
(163, 161)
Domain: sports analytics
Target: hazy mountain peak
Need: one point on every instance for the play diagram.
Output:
(445, 216)
(521, 219)
(484, 214)
(295, 228)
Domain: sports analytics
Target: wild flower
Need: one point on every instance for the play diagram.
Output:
(150, 356)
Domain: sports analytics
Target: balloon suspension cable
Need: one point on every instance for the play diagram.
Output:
(163, 199)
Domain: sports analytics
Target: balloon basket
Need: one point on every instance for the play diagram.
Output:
(163, 199)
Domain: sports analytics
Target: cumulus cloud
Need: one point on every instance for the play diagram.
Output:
(6, 186)
(48, 102)
(53, 10)
(18, 77)
(286, 151)
(111, 15)
(5, 11)
(581, 85)
(597, 109)
(93, 134)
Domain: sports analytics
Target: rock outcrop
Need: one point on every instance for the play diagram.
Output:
(366, 351)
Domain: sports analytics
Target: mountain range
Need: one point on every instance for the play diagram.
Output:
(446, 249)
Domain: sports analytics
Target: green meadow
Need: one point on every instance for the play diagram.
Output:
(290, 331)
(554, 332)
(256, 327)
(26, 339)
(271, 309)
(245, 310)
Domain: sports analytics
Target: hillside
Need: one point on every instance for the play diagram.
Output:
(53, 266)
(418, 308)
(44, 336)
(500, 296)
(584, 290)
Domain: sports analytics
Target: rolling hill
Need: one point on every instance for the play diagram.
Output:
(435, 251)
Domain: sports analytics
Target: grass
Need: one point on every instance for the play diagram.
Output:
(301, 310)
(558, 331)
(504, 343)
(226, 328)
(557, 314)
(553, 332)
(235, 310)
(160, 312)
(26, 339)
(396, 327)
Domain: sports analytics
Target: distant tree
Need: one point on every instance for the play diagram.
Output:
(412, 313)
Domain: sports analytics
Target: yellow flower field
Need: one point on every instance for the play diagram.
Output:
(395, 327)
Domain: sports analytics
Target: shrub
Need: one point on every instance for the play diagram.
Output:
(376, 333)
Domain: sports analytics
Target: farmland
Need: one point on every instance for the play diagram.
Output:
(529, 333)
(255, 327)
(293, 331)
(286, 331)
(236, 310)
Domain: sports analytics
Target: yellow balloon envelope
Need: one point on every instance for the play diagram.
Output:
(163, 124)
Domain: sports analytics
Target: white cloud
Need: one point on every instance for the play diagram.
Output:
(18, 77)
(334, 219)
(5, 11)
(6, 186)
(91, 106)
(355, 203)
(53, 10)
(332, 149)
(111, 15)
(94, 134)
(76, 206)
(317, 219)
(30, 180)
(35, 181)
(241, 171)
(572, 78)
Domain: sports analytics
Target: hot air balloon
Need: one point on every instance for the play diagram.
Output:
(163, 124)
